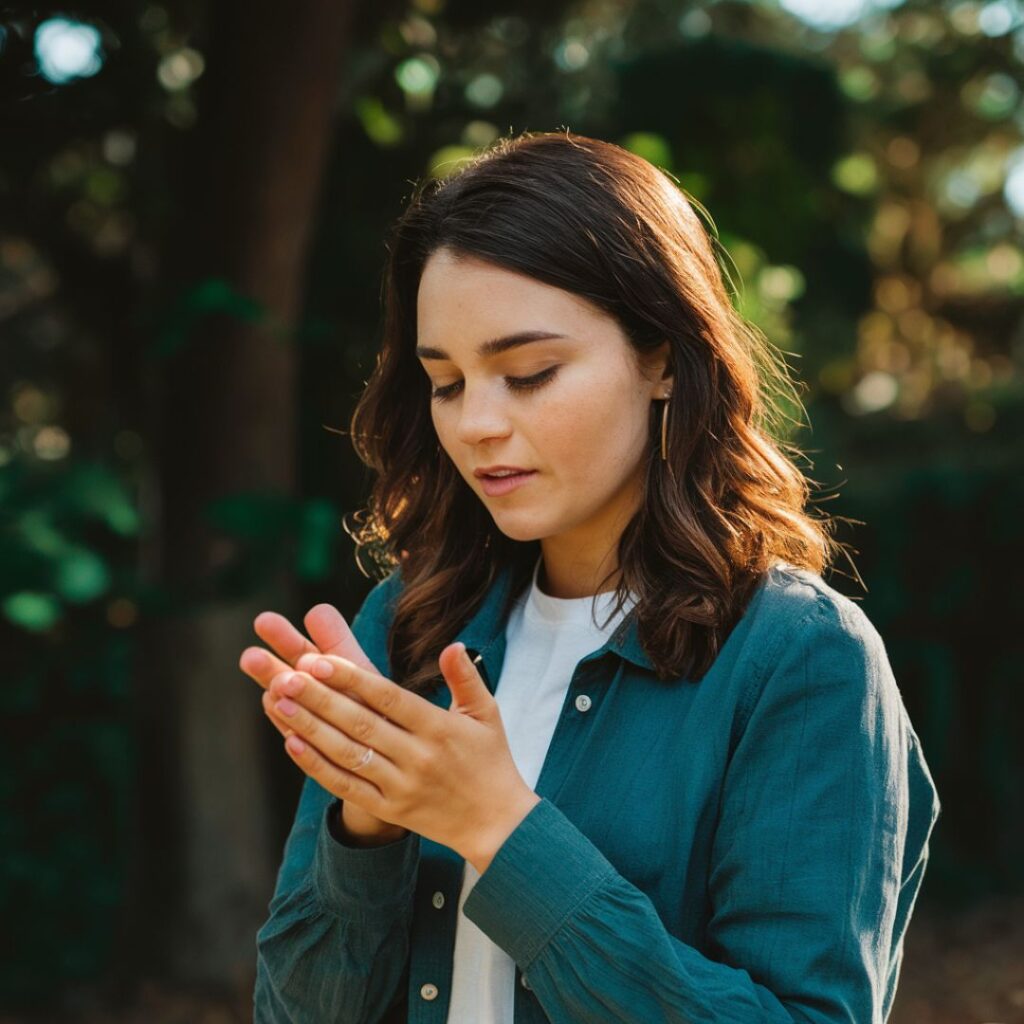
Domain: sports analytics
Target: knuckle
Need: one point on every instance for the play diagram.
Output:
(436, 733)
(305, 661)
(362, 727)
(423, 761)
(268, 701)
(400, 804)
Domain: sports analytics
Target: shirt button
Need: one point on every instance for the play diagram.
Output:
(428, 991)
(523, 981)
(438, 900)
(583, 702)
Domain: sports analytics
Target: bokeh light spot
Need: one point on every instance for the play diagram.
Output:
(51, 443)
(67, 49)
(485, 90)
(418, 76)
(180, 69)
(856, 173)
(31, 610)
(1013, 188)
(875, 391)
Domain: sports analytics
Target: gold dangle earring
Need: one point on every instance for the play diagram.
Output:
(664, 437)
(664, 430)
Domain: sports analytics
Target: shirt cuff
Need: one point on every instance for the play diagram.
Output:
(542, 872)
(363, 883)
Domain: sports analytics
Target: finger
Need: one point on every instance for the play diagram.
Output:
(333, 635)
(470, 695)
(279, 634)
(455, 662)
(264, 667)
(279, 723)
(261, 665)
(338, 747)
(343, 784)
(348, 715)
(403, 707)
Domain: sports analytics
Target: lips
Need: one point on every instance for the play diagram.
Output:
(504, 470)
(495, 486)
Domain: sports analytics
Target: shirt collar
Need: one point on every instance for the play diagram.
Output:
(485, 631)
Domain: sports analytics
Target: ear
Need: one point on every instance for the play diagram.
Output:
(658, 370)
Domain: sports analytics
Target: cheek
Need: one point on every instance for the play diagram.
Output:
(457, 452)
(443, 427)
(595, 431)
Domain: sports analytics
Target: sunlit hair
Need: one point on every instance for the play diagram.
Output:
(596, 220)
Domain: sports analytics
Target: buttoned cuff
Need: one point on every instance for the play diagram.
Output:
(363, 883)
(542, 872)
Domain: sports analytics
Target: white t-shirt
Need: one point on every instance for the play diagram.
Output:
(546, 638)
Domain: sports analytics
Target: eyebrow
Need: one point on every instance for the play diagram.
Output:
(494, 346)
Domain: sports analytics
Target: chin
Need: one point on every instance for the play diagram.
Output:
(520, 531)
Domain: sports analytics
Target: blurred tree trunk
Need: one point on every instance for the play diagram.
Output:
(227, 425)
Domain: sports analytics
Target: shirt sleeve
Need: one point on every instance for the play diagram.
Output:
(805, 871)
(335, 944)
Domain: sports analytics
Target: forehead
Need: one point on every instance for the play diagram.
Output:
(464, 302)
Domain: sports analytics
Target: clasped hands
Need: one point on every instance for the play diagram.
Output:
(448, 774)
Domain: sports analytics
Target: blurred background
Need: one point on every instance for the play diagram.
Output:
(193, 199)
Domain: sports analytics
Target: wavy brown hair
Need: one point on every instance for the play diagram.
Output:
(593, 219)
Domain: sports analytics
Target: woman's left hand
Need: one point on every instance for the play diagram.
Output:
(446, 774)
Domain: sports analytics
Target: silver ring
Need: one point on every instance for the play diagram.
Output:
(366, 759)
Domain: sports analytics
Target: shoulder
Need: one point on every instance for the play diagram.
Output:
(803, 627)
(382, 596)
(795, 603)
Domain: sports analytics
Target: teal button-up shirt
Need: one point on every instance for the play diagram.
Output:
(745, 849)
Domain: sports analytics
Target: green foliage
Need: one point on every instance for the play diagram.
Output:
(208, 296)
(46, 562)
(66, 768)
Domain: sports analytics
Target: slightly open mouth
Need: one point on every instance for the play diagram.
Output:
(497, 485)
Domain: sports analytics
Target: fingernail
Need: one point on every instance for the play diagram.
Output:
(292, 685)
(322, 669)
(286, 707)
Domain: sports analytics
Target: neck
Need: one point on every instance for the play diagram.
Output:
(571, 578)
(575, 564)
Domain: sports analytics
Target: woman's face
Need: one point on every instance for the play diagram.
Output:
(580, 425)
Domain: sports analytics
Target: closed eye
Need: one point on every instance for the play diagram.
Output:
(538, 380)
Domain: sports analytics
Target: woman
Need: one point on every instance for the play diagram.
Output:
(665, 772)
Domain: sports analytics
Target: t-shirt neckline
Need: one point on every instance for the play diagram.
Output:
(570, 611)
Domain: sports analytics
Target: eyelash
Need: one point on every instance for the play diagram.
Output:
(538, 380)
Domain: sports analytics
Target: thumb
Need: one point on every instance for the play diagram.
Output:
(470, 695)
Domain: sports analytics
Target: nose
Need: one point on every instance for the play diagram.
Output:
(482, 416)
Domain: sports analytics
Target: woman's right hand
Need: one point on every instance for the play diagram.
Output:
(331, 635)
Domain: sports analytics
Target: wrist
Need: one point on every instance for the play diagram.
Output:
(482, 846)
(351, 828)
